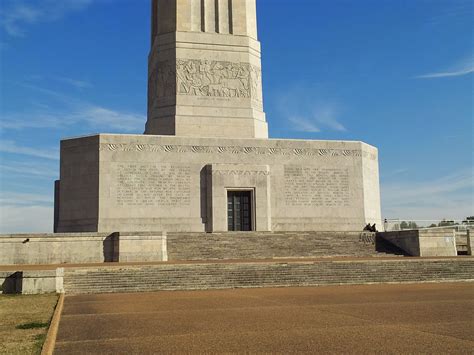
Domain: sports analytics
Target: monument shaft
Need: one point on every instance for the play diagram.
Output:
(204, 71)
(206, 163)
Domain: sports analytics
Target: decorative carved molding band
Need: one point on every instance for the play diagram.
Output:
(240, 172)
(297, 152)
(206, 78)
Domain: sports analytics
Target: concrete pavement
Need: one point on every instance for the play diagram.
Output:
(426, 318)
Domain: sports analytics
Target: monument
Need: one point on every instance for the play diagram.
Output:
(205, 70)
(205, 162)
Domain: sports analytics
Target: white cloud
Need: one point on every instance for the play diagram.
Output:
(17, 15)
(26, 219)
(69, 111)
(25, 213)
(326, 115)
(309, 114)
(394, 173)
(447, 74)
(79, 84)
(99, 117)
(95, 117)
(464, 67)
(31, 119)
(449, 197)
(19, 199)
(304, 125)
(13, 148)
(30, 169)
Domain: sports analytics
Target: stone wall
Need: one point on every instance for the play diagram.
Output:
(424, 242)
(204, 276)
(30, 282)
(437, 242)
(165, 183)
(81, 248)
(80, 183)
(470, 241)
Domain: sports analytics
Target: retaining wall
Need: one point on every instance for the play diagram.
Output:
(31, 282)
(424, 242)
(204, 276)
(79, 248)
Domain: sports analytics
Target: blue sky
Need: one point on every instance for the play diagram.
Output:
(397, 74)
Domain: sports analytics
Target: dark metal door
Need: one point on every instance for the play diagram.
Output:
(239, 210)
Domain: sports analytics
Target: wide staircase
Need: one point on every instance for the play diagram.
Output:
(224, 275)
(199, 261)
(274, 245)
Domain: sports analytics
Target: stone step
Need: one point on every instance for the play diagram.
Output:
(265, 245)
(275, 274)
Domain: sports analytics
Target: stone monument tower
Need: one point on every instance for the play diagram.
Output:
(206, 163)
(204, 71)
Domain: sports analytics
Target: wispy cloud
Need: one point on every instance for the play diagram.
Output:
(95, 117)
(464, 67)
(71, 111)
(447, 74)
(25, 212)
(452, 11)
(17, 15)
(309, 114)
(28, 199)
(450, 197)
(394, 173)
(77, 84)
(304, 125)
(12, 147)
(34, 169)
(34, 218)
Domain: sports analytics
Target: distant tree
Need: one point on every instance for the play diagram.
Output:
(469, 220)
(446, 223)
(433, 225)
(408, 225)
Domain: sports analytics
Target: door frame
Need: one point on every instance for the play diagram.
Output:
(253, 213)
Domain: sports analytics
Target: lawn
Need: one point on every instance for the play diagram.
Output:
(24, 322)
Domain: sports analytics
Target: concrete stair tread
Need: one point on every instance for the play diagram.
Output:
(276, 273)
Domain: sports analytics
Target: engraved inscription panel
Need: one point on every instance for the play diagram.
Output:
(152, 185)
(316, 187)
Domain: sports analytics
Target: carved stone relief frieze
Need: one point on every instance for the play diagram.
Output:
(245, 150)
(205, 78)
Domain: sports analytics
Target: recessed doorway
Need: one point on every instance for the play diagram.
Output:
(239, 211)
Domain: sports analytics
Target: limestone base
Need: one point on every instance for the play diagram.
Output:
(120, 183)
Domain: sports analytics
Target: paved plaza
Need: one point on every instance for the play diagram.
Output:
(421, 318)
